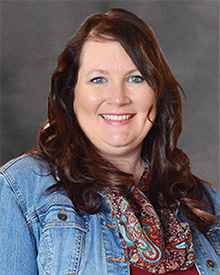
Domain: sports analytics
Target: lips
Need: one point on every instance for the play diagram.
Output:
(115, 117)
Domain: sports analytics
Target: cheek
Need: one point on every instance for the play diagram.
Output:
(148, 107)
(145, 102)
(153, 111)
(85, 103)
(79, 104)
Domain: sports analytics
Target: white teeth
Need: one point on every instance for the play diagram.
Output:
(116, 117)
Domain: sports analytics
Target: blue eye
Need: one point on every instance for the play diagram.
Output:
(135, 79)
(98, 80)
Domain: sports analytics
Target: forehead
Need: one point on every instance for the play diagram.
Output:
(104, 53)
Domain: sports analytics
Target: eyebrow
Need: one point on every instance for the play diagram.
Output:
(106, 72)
(97, 71)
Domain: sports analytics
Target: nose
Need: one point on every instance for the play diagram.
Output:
(118, 95)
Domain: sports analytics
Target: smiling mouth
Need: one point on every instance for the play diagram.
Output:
(117, 117)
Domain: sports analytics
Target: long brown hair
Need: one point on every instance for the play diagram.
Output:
(75, 163)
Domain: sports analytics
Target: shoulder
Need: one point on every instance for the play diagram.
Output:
(214, 197)
(26, 171)
(26, 162)
(26, 177)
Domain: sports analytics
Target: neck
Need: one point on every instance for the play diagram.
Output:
(134, 166)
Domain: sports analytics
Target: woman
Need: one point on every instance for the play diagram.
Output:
(108, 191)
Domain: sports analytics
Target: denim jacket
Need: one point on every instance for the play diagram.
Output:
(43, 234)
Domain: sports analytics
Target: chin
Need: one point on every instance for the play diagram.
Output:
(118, 150)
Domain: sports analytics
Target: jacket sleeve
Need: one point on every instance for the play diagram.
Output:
(17, 243)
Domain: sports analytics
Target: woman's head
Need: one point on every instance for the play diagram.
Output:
(139, 42)
(112, 101)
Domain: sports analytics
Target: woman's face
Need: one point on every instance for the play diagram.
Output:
(112, 100)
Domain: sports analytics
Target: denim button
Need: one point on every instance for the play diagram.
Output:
(62, 217)
(210, 263)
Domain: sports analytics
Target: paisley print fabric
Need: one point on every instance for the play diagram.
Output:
(156, 241)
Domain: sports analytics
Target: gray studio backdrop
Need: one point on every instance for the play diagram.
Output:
(33, 33)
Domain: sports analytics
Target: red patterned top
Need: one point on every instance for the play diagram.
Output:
(138, 271)
(156, 241)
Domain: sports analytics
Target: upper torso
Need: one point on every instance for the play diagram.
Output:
(49, 243)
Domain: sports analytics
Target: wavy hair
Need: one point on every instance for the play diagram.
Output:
(79, 169)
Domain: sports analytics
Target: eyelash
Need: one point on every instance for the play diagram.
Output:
(140, 78)
(96, 80)
(100, 79)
